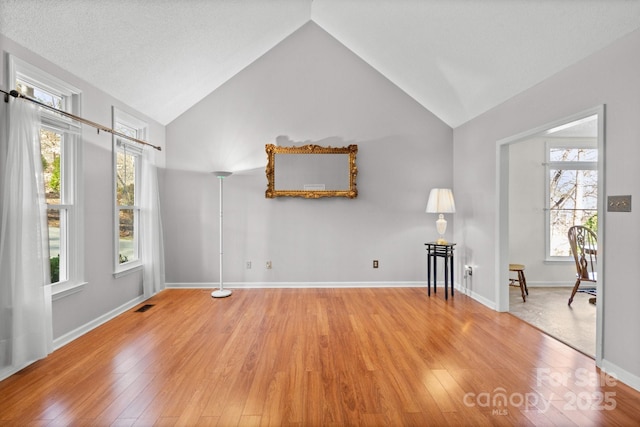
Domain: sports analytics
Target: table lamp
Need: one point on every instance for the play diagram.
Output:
(441, 202)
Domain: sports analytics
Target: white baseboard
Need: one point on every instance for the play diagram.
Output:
(408, 284)
(301, 285)
(620, 374)
(7, 371)
(78, 332)
(309, 285)
(482, 300)
(533, 284)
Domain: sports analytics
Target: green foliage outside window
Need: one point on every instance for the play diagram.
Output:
(55, 269)
(592, 223)
(54, 182)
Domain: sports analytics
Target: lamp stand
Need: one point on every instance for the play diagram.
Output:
(221, 292)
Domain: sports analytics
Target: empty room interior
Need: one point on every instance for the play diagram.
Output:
(319, 212)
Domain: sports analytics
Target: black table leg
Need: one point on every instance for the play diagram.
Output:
(446, 276)
(435, 273)
(429, 274)
(451, 267)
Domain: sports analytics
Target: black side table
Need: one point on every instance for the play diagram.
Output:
(443, 250)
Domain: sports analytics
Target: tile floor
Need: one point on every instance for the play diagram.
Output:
(547, 309)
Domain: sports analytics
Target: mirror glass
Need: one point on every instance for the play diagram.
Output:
(311, 171)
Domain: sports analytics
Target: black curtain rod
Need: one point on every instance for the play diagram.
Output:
(99, 127)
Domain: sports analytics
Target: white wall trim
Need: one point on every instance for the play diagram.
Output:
(544, 284)
(301, 285)
(502, 210)
(328, 285)
(78, 332)
(477, 297)
(66, 290)
(7, 371)
(620, 374)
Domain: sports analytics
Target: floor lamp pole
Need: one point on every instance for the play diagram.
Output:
(221, 292)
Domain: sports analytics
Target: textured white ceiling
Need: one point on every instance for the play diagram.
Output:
(458, 58)
(158, 56)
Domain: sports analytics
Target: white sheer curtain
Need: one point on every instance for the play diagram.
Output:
(25, 300)
(151, 238)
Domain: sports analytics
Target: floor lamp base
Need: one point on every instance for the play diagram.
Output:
(221, 293)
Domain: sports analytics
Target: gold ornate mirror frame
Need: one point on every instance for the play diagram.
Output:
(272, 191)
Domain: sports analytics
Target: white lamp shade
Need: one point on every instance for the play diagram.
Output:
(441, 201)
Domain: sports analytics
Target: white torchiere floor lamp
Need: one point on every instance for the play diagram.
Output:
(221, 292)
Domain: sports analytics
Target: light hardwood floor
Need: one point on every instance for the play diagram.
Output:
(316, 357)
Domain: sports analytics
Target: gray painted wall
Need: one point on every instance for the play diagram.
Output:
(610, 77)
(308, 89)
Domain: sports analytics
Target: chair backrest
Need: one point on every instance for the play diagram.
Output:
(584, 247)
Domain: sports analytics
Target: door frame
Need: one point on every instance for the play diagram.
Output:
(502, 210)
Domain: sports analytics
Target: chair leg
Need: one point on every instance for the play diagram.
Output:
(573, 292)
(523, 285)
(526, 289)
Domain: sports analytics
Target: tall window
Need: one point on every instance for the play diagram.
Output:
(127, 160)
(61, 159)
(572, 183)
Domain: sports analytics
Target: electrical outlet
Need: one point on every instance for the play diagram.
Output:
(375, 263)
(468, 270)
(268, 265)
(248, 265)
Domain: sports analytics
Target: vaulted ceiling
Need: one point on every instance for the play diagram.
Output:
(458, 58)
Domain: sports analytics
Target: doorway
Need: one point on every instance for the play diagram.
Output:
(549, 179)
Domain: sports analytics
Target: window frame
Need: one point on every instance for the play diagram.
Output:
(119, 145)
(71, 168)
(580, 143)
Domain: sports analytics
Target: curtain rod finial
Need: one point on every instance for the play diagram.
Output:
(13, 93)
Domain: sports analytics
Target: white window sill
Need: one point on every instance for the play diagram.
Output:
(559, 260)
(64, 289)
(129, 268)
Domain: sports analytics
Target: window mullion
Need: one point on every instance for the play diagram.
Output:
(572, 165)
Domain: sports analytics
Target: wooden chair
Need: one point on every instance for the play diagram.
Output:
(522, 282)
(584, 248)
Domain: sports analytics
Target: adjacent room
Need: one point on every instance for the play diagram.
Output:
(553, 186)
(215, 212)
